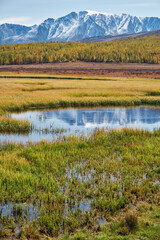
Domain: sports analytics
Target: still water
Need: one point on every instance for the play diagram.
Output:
(49, 125)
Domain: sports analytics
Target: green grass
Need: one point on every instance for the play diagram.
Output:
(77, 182)
(147, 227)
(23, 76)
(83, 103)
(10, 125)
(155, 93)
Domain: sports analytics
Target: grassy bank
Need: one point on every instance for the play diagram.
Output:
(46, 77)
(10, 125)
(22, 94)
(104, 187)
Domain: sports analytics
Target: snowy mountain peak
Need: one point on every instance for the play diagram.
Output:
(49, 21)
(76, 26)
(90, 12)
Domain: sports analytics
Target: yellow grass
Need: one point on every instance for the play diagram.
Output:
(27, 93)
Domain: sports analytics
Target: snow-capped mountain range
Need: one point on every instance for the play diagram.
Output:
(76, 26)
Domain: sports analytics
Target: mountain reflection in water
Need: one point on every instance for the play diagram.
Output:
(84, 121)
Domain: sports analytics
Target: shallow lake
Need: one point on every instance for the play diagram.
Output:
(49, 125)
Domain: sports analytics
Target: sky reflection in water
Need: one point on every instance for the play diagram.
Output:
(84, 121)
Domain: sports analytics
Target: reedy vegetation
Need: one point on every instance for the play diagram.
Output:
(138, 50)
(77, 182)
(10, 125)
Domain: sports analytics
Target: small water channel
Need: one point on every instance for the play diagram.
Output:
(10, 210)
(13, 215)
(52, 124)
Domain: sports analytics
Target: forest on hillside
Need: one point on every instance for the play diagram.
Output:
(138, 50)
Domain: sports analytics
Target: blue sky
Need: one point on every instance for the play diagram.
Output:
(29, 12)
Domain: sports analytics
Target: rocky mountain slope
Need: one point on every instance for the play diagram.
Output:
(119, 37)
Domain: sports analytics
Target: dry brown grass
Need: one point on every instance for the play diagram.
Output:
(89, 69)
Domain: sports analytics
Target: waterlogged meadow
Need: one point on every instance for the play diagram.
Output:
(104, 186)
(82, 187)
(19, 92)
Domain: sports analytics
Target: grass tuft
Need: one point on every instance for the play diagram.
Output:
(10, 125)
(131, 220)
(155, 93)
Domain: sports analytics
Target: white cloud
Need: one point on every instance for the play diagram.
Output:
(16, 20)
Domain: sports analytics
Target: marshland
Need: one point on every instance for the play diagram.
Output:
(105, 186)
(101, 184)
(19, 94)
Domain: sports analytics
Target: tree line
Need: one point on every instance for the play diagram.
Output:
(138, 50)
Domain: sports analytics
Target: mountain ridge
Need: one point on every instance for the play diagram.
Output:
(75, 26)
(119, 37)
